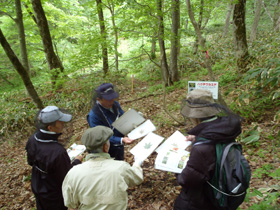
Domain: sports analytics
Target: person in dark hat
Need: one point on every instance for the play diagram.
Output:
(100, 182)
(104, 112)
(49, 159)
(212, 122)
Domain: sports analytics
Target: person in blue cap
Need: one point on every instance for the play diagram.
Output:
(49, 159)
(105, 111)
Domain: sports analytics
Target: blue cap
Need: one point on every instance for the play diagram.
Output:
(106, 91)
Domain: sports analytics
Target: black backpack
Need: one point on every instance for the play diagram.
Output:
(228, 186)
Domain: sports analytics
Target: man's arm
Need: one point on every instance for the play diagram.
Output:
(133, 174)
(70, 200)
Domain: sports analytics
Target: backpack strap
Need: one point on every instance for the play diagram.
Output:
(201, 140)
(224, 156)
(225, 153)
(226, 150)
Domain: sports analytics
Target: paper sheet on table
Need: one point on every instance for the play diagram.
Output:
(142, 130)
(146, 146)
(176, 141)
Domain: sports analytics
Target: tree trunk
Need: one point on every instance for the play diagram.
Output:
(200, 38)
(230, 6)
(179, 31)
(267, 11)
(23, 50)
(112, 11)
(201, 41)
(239, 28)
(54, 63)
(276, 18)
(153, 48)
(164, 64)
(256, 20)
(104, 36)
(22, 72)
(174, 41)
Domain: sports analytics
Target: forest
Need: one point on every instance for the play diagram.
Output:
(56, 52)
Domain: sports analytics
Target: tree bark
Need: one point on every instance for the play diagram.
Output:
(21, 71)
(200, 38)
(164, 64)
(276, 18)
(256, 20)
(23, 50)
(153, 47)
(230, 6)
(202, 43)
(112, 11)
(239, 28)
(54, 62)
(104, 36)
(267, 11)
(174, 41)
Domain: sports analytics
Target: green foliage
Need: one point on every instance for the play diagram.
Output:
(264, 171)
(275, 174)
(227, 77)
(26, 178)
(253, 136)
(260, 90)
(268, 201)
(267, 79)
(155, 88)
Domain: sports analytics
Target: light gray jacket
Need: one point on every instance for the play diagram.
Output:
(100, 183)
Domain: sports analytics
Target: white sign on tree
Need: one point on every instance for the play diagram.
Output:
(211, 86)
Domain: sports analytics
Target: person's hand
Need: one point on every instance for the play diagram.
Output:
(138, 161)
(190, 138)
(79, 157)
(127, 140)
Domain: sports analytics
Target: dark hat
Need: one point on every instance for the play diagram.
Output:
(94, 138)
(199, 104)
(106, 91)
(52, 113)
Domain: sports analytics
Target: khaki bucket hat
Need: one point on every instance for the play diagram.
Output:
(199, 104)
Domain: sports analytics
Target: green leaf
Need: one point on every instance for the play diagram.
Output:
(258, 193)
(251, 139)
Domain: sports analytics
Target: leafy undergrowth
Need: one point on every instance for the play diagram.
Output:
(159, 189)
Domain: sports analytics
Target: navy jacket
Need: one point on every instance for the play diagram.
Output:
(99, 115)
(50, 164)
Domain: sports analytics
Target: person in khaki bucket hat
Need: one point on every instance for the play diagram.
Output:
(213, 123)
(199, 104)
(100, 182)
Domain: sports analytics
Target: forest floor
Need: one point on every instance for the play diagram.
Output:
(159, 189)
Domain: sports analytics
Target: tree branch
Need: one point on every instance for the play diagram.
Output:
(5, 13)
(151, 58)
(29, 12)
(166, 110)
(133, 58)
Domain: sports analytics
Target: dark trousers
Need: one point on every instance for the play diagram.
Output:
(45, 203)
(117, 152)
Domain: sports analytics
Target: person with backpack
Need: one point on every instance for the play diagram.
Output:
(215, 125)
